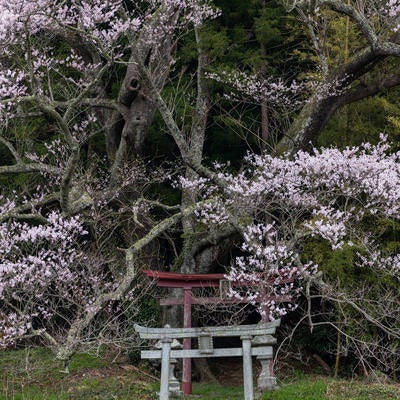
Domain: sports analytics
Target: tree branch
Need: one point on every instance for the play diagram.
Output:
(28, 168)
(24, 217)
(95, 102)
(356, 16)
(361, 92)
(12, 149)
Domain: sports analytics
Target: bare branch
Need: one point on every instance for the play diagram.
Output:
(364, 91)
(28, 168)
(12, 149)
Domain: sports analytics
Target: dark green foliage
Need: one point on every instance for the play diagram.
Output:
(360, 122)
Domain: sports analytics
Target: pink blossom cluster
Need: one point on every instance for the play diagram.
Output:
(326, 194)
(102, 22)
(47, 69)
(329, 224)
(84, 16)
(16, 16)
(11, 84)
(45, 65)
(393, 11)
(271, 271)
(81, 129)
(329, 88)
(277, 93)
(29, 25)
(12, 87)
(196, 186)
(193, 11)
(172, 17)
(377, 260)
(43, 274)
(6, 205)
(213, 214)
(364, 172)
(259, 89)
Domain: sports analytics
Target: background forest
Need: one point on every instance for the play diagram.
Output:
(259, 139)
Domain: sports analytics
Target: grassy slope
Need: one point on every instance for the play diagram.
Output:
(34, 375)
(322, 388)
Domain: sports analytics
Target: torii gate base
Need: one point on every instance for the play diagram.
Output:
(259, 335)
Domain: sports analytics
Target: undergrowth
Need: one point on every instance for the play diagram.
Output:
(34, 374)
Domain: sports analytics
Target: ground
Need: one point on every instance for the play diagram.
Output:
(33, 374)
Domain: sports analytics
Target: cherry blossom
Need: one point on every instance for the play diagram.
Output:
(42, 273)
(258, 89)
(326, 194)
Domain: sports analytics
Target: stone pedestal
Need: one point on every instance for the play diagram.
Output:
(266, 379)
(174, 386)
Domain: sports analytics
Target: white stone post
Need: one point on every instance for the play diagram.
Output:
(165, 364)
(247, 368)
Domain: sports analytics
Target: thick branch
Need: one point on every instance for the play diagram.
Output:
(24, 217)
(28, 168)
(12, 149)
(86, 91)
(67, 178)
(372, 89)
(95, 102)
(50, 109)
(166, 114)
(199, 122)
(316, 112)
(213, 239)
(26, 209)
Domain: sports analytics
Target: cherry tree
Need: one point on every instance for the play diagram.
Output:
(55, 65)
(91, 69)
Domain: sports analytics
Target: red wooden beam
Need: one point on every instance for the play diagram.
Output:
(182, 277)
(186, 281)
(176, 301)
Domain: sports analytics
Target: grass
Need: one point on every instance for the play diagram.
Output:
(307, 388)
(322, 388)
(33, 374)
(304, 389)
(216, 392)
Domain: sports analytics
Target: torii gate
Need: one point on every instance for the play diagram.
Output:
(187, 282)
